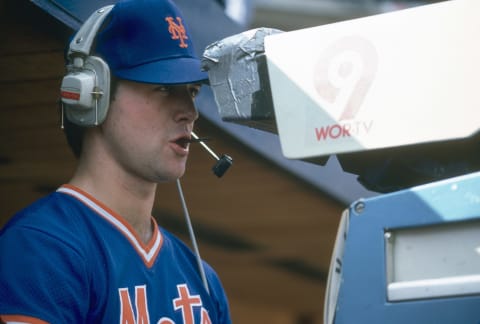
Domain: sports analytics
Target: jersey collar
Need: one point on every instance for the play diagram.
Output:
(148, 252)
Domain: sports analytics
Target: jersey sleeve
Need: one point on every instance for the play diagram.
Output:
(41, 277)
(218, 293)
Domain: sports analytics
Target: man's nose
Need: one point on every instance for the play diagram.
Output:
(187, 112)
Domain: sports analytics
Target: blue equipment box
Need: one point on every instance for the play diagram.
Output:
(411, 256)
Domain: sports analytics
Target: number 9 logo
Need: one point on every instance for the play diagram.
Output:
(344, 73)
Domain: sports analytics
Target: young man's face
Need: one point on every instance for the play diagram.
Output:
(147, 127)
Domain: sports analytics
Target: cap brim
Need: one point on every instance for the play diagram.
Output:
(174, 71)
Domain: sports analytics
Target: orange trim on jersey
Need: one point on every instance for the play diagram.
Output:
(148, 252)
(21, 319)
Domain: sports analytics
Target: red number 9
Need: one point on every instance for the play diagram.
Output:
(344, 73)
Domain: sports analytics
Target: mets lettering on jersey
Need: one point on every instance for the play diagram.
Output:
(184, 303)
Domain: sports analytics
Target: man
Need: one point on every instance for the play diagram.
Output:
(91, 252)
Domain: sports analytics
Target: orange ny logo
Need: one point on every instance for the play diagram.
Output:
(177, 30)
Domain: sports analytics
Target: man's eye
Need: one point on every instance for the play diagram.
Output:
(194, 91)
(164, 89)
(172, 89)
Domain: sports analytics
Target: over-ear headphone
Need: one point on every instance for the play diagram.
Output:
(85, 89)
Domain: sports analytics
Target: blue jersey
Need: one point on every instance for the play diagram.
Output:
(69, 259)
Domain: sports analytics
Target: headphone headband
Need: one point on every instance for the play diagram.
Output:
(83, 40)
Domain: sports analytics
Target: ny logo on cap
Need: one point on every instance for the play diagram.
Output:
(177, 31)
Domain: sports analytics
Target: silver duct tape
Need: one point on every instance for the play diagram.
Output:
(237, 71)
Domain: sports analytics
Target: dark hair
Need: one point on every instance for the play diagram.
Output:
(75, 133)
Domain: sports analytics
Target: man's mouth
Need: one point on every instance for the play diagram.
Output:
(183, 141)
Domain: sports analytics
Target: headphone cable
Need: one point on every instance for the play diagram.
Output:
(192, 237)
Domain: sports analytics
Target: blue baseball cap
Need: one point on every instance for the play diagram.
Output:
(148, 41)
